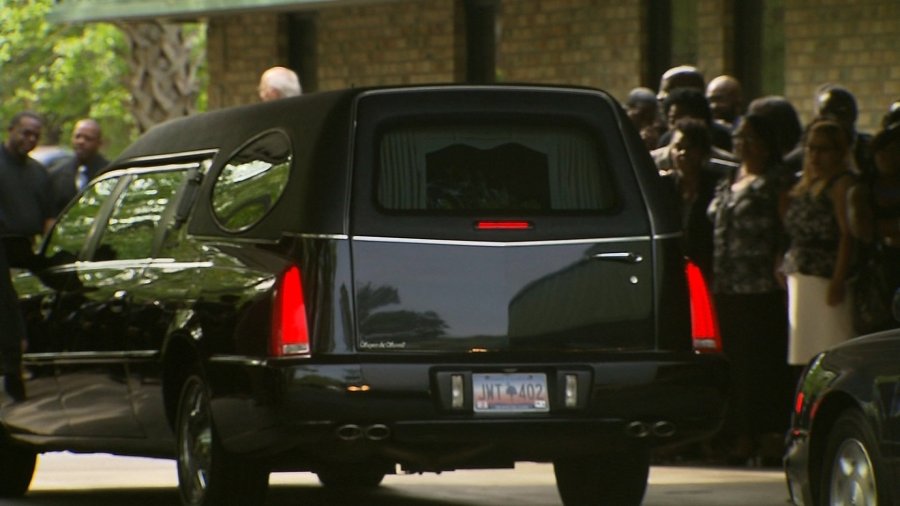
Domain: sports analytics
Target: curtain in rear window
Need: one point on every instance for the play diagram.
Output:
(499, 167)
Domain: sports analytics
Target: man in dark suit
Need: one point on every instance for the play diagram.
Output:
(25, 213)
(71, 175)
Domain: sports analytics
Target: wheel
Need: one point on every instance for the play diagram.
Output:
(16, 470)
(207, 474)
(616, 479)
(351, 476)
(853, 470)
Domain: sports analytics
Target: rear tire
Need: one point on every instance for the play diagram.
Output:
(16, 470)
(207, 474)
(853, 472)
(351, 477)
(615, 479)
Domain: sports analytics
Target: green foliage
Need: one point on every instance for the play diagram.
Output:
(65, 73)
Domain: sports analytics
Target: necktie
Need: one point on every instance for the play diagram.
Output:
(81, 177)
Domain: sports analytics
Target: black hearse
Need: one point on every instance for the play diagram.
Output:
(361, 282)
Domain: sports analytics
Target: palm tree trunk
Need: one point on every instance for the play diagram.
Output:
(164, 83)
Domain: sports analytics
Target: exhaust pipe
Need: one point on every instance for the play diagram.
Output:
(348, 432)
(637, 429)
(352, 432)
(377, 432)
(663, 429)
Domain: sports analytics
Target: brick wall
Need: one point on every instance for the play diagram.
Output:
(584, 42)
(239, 48)
(715, 37)
(855, 44)
(391, 43)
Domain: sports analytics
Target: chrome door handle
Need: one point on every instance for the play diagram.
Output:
(626, 257)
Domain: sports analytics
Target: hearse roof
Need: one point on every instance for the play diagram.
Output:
(304, 118)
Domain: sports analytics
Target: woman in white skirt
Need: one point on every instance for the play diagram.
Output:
(817, 261)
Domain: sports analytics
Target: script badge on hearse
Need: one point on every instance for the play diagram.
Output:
(510, 393)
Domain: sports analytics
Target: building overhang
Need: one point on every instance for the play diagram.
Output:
(83, 11)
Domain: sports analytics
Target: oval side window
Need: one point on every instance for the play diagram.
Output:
(252, 182)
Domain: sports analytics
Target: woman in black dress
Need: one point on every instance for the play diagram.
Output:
(748, 243)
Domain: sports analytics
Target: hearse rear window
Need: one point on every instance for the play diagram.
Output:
(492, 167)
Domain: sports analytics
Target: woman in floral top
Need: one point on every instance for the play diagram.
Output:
(749, 295)
(818, 260)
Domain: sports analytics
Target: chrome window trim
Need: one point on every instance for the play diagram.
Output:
(144, 169)
(91, 356)
(110, 264)
(162, 262)
(558, 242)
(240, 240)
(485, 87)
(335, 237)
(170, 156)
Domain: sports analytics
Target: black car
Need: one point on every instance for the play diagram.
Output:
(358, 282)
(844, 442)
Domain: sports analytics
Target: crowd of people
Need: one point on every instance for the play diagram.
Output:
(797, 229)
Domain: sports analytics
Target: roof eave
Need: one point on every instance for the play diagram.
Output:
(88, 11)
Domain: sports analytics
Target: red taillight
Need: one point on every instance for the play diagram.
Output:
(503, 225)
(704, 324)
(290, 333)
(798, 404)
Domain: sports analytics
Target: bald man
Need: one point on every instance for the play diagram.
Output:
(279, 82)
(725, 100)
(682, 76)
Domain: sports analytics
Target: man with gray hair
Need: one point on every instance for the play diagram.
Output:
(279, 82)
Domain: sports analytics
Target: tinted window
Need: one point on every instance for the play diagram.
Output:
(252, 182)
(72, 229)
(132, 225)
(492, 168)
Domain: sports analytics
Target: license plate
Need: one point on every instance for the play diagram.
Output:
(510, 393)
